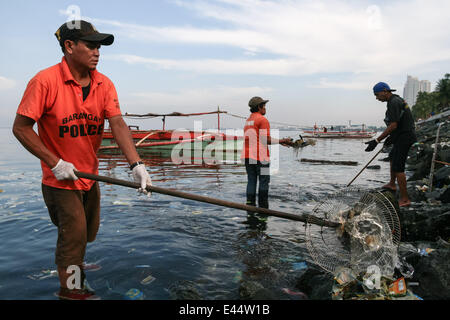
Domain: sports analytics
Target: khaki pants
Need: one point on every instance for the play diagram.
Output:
(76, 213)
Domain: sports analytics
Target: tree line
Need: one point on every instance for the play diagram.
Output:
(429, 103)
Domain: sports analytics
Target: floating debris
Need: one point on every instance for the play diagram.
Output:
(134, 294)
(294, 293)
(44, 274)
(148, 280)
(425, 251)
(237, 277)
(121, 203)
(297, 266)
(91, 267)
(345, 163)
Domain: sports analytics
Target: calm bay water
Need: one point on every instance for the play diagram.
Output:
(188, 247)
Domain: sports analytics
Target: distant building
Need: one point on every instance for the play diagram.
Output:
(412, 87)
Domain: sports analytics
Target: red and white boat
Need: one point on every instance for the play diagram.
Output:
(339, 132)
(165, 140)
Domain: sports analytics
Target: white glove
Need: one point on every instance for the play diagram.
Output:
(64, 171)
(141, 176)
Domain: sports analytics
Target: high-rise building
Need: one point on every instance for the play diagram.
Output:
(425, 86)
(412, 87)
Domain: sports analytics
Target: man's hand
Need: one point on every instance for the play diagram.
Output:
(372, 144)
(287, 142)
(64, 171)
(141, 176)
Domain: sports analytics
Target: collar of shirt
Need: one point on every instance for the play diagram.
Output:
(67, 75)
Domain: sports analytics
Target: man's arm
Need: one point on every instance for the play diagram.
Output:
(392, 126)
(122, 135)
(124, 140)
(285, 141)
(23, 131)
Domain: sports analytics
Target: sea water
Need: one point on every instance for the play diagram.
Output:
(167, 247)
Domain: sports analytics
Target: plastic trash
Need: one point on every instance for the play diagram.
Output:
(398, 288)
(91, 267)
(423, 188)
(297, 266)
(425, 251)
(121, 203)
(294, 293)
(134, 294)
(237, 277)
(44, 274)
(344, 275)
(147, 280)
(405, 268)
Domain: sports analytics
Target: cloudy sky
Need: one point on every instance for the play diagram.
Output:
(316, 61)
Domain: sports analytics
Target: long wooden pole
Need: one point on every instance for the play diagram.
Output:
(365, 167)
(302, 218)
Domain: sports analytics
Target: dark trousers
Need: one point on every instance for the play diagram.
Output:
(257, 171)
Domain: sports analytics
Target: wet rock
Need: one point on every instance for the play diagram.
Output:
(424, 222)
(442, 177)
(184, 290)
(445, 196)
(432, 272)
(417, 190)
(249, 289)
(316, 284)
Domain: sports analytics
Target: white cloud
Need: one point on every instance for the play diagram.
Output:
(198, 98)
(357, 84)
(283, 67)
(6, 84)
(309, 36)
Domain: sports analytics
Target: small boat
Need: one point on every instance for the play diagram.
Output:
(339, 132)
(176, 141)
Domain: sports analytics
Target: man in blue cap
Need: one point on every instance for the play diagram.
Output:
(400, 132)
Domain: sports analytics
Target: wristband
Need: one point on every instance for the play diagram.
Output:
(135, 164)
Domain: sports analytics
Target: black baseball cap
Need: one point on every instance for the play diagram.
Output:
(82, 30)
(256, 101)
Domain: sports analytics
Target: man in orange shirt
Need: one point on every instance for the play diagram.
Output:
(256, 152)
(70, 102)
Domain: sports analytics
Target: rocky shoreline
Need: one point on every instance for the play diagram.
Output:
(425, 225)
(424, 250)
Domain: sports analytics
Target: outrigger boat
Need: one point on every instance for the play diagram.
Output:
(350, 132)
(164, 141)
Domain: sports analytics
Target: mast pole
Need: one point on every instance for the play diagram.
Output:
(218, 119)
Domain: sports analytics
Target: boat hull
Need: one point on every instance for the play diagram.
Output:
(339, 134)
(180, 145)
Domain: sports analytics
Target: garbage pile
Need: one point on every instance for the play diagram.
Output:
(370, 286)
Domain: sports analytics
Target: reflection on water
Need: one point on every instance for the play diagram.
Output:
(185, 247)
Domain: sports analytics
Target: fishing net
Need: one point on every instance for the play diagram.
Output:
(369, 233)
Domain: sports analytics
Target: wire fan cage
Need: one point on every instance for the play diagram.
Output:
(369, 232)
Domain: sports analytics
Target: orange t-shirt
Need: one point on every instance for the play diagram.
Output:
(256, 131)
(68, 126)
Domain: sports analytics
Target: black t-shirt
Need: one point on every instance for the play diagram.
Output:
(86, 91)
(399, 111)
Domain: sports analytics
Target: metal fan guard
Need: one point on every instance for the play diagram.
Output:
(326, 248)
